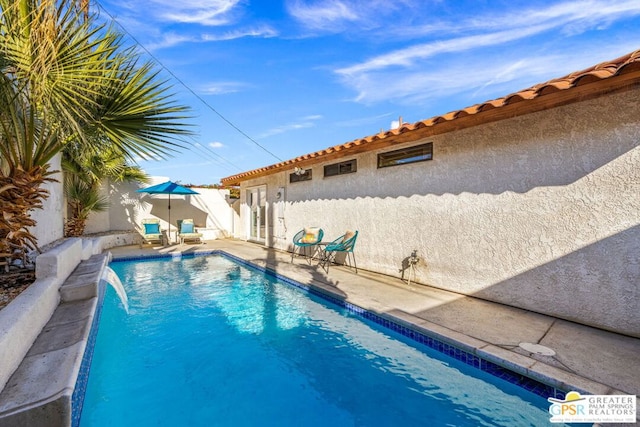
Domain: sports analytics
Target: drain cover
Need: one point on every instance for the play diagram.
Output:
(537, 349)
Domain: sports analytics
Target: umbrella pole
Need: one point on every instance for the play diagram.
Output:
(169, 237)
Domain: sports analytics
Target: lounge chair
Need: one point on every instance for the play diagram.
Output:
(306, 242)
(187, 231)
(343, 244)
(151, 232)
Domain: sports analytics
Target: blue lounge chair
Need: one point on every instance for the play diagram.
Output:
(306, 242)
(151, 232)
(187, 231)
(343, 244)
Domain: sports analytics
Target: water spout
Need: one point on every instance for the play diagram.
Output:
(111, 277)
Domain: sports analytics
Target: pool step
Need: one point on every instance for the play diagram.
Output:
(83, 283)
(39, 393)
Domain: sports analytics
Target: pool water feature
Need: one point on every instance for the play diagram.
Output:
(111, 278)
(208, 341)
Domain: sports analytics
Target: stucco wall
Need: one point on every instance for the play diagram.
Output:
(237, 225)
(127, 208)
(540, 212)
(49, 220)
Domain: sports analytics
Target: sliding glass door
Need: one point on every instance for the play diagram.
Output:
(257, 203)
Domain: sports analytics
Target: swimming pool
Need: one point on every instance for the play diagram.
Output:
(208, 341)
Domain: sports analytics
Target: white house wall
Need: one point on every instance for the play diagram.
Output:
(540, 212)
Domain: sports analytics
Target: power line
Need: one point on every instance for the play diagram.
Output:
(208, 152)
(185, 85)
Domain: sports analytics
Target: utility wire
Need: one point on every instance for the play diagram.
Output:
(184, 84)
(212, 155)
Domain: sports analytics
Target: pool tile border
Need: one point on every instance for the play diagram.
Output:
(80, 388)
(534, 386)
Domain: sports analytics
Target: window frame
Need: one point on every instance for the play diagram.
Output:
(340, 168)
(426, 154)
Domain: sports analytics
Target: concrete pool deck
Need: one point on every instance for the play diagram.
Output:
(589, 360)
(586, 359)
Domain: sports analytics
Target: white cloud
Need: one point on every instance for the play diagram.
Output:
(171, 39)
(567, 16)
(320, 15)
(150, 16)
(427, 70)
(203, 12)
(572, 16)
(491, 77)
(216, 144)
(305, 122)
(220, 88)
(407, 57)
(313, 117)
(577, 16)
(154, 21)
(263, 31)
(334, 16)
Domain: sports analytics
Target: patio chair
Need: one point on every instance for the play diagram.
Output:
(187, 231)
(306, 242)
(343, 244)
(151, 232)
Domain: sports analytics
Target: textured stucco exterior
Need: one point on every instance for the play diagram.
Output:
(49, 220)
(210, 210)
(540, 211)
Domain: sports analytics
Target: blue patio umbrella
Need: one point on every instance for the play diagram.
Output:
(169, 188)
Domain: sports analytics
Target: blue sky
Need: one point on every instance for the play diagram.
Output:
(298, 76)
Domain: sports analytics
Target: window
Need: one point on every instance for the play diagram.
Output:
(418, 153)
(349, 166)
(300, 175)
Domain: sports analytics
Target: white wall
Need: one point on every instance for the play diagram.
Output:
(237, 228)
(49, 220)
(124, 209)
(540, 212)
(210, 210)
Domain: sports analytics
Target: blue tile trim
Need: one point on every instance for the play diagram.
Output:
(463, 356)
(80, 388)
(160, 256)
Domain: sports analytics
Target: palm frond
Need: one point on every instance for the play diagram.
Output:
(69, 83)
(84, 197)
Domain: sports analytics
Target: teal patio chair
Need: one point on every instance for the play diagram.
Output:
(343, 244)
(306, 242)
(151, 232)
(187, 231)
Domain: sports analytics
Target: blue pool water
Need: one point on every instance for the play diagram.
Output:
(210, 342)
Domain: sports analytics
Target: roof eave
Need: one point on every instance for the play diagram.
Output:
(583, 86)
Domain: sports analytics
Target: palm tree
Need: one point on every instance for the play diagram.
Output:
(82, 199)
(25, 150)
(85, 173)
(65, 80)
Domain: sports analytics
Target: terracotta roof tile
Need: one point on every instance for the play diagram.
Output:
(626, 64)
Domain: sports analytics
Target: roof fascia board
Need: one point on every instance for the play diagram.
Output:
(581, 92)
